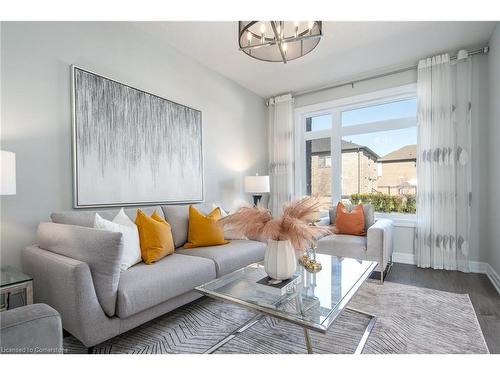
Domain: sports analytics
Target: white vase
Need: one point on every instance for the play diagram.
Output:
(280, 261)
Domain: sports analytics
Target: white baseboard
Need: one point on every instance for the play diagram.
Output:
(475, 267)
(478, 267)
(494, 277)
(405, 258)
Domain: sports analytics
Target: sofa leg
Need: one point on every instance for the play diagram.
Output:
(90, 350)
(383, 275)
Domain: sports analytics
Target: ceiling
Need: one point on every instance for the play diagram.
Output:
(346, 51)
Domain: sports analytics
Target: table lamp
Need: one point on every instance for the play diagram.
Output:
(8, 173)
(257, 185)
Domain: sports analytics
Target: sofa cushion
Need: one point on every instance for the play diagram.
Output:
(343, 245)
(132, 212)
(86, 218)
(144, 286)
(178, 218)
(368, 211)
(101, 250)
(230, 257)
(81, 218)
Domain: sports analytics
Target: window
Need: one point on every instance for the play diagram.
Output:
(318, 155)
(318, 174)
(362, 149)
(324, 161)
(380, 112)
(317, 123)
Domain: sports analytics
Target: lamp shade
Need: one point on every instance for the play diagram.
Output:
(8, 173)
(257, 184)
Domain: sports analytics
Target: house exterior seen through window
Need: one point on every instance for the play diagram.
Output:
(364, 152)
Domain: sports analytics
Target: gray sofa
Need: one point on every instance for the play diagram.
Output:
(31, 329)
(376, 245)
(75, 269)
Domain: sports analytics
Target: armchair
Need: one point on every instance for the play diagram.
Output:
(375, 246)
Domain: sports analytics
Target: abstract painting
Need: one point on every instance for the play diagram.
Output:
(131, 147)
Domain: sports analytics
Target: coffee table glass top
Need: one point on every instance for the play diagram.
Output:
(314, 303)
(12, 276)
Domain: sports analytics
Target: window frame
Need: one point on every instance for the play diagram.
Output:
(334, 108)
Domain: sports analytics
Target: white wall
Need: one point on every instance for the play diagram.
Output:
(404, 234)
(480, 160)
(393, 80)
(492, 178)
(36, 118)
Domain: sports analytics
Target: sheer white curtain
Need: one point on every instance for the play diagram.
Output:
(443, 162)
(281, 163)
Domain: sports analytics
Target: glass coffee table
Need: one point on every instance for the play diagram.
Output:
(314, 303)
(13, 281)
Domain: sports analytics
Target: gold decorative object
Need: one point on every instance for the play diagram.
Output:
(304, 259)
(310, 264)
(314, 266)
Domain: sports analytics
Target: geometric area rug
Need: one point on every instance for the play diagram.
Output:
(410, 320)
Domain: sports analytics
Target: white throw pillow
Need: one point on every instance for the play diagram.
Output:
(229, 233)
(130, 235)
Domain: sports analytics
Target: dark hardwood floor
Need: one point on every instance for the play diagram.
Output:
(484, 297)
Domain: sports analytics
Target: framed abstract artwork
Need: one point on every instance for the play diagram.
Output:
(131, 147)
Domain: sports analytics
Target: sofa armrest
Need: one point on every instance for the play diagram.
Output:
(324, 221)
(379, 242)
(31, 329)
(66, 284)
(101, 250)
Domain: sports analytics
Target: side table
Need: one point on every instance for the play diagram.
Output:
(13, 280)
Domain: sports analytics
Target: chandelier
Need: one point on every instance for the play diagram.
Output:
(277, 41)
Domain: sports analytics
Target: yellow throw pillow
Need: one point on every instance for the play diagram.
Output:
(155, 236)
(203, 229)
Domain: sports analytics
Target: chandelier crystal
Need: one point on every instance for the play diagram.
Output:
(277, 41)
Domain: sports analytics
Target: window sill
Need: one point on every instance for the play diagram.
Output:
(399, 220)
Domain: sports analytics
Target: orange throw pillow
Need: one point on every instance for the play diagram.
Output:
(204, 230)
(350, 222)
(155, 236)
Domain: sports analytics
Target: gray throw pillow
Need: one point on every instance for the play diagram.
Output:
(101, 250)
(369, 212)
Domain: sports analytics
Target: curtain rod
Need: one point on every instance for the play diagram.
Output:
(400, 70)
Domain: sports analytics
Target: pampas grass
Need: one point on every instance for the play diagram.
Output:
(293, 225)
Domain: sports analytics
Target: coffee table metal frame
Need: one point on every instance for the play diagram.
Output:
(14, 284)
(261, 311)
